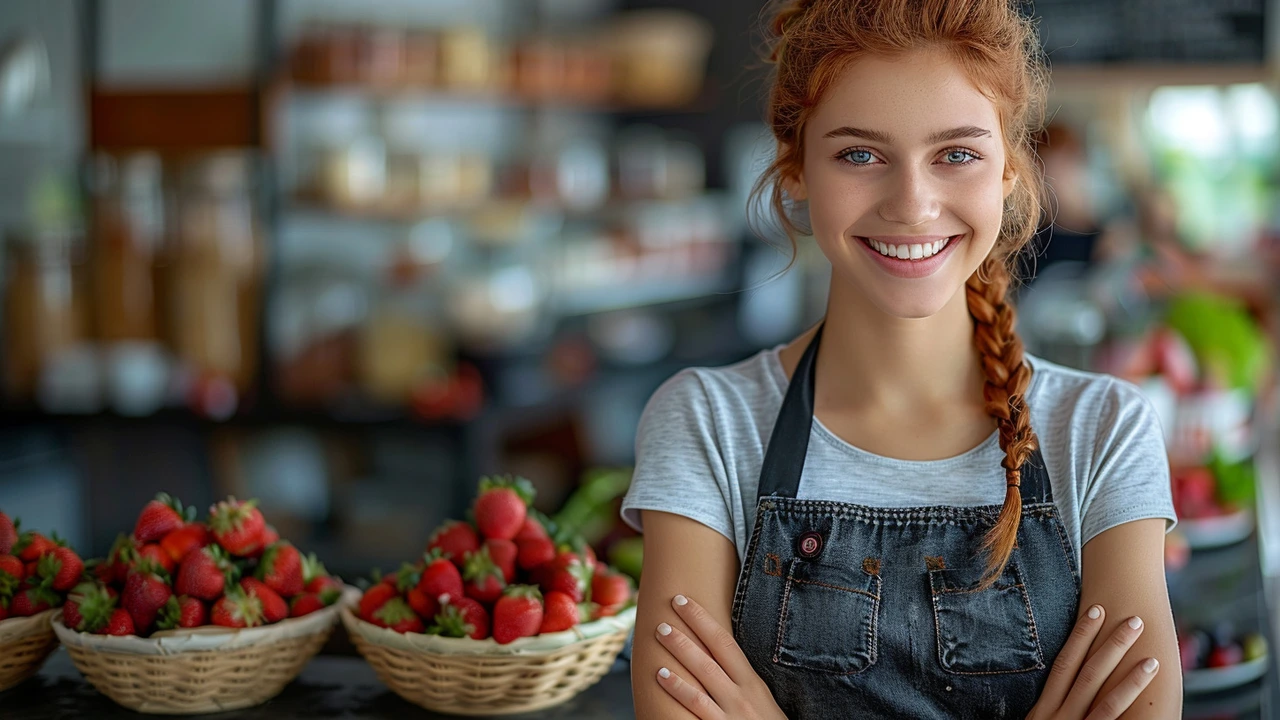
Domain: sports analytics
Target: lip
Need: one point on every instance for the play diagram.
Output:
(911, 269)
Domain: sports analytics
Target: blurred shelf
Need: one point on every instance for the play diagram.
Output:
(1128, 77)
(368, 416)
(607, 298)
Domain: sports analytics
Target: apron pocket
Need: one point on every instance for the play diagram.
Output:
(828, 619)
(984, 632)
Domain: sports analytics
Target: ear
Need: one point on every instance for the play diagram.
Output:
(1010, 180)
(792, 184)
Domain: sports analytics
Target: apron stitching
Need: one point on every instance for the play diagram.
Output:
(836, 587)
(782, 617)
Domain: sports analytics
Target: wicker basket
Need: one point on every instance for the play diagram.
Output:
(461, 676)
(203, 670)
(25, 643)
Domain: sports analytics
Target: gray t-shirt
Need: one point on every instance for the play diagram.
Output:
(702, 438)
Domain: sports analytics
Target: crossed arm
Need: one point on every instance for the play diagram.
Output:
(1123, 572)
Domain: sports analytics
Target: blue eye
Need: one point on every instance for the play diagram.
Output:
(960, 157)
(859, 157)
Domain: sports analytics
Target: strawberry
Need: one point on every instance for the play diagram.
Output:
(559, 612)
(461, 617)
(610, 589)
(269, 536)
(599, 611)
(88, 607)
(120, 623)
(159, 518)
(281, 569)
(205, 573)
(237, 610)
(374, 598)
(504, 554)
(396, 615)
(12, 573)
(316, 578)
(62, 567)
(323, 584)
(181, 542)
(71, 614)
(532, 529)
(274, 608)
(8, 534)
(455, 539)
(157, 555)
(406, 578)
(426, 606)
(568, 574)
(32, 600)
(116, 565)
(309, 602)
(182, 612)
(440, 577)
(31, 546)
(237, 526)
(502, 506)
(532, 552)
(483, 579)
(146, 590)
(517, 614)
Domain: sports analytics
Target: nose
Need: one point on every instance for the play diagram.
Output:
(910, 198)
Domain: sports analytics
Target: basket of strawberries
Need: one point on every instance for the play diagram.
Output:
(186, 617)
(503, 616)
(35, 574)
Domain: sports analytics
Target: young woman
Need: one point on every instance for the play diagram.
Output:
(899, 513)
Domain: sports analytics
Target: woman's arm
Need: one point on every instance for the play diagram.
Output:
(1123, 571)
(680, 556)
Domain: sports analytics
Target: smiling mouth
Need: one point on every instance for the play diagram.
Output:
(908, 252)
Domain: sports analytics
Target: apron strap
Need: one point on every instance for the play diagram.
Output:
(789, 441)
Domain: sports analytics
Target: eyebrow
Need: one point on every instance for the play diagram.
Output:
(964, 131)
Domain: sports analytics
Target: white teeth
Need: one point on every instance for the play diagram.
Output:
(927, 249)
(908, 252)
(904, 251)
(917, 252)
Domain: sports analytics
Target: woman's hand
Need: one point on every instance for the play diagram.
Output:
(1075, 680)
(733, 690)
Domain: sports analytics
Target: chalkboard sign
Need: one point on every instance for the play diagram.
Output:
(1152, 31)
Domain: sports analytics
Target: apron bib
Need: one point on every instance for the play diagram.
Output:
(853, 611)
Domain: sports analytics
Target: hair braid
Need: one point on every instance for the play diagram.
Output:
(1004, 398)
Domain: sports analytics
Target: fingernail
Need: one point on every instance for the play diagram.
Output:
(664, 629)
(1095, 612)
(680, 600)
(1150, 665)
(664, 673)
(1135, 622)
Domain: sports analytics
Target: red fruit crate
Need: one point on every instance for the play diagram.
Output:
(462, 676)
(25, 643)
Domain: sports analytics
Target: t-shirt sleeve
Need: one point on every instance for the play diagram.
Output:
(679, 467)
(1130, 469)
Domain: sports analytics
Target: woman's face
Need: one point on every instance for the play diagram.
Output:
(904, 171)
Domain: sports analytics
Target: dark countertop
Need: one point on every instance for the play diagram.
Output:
(329, 687)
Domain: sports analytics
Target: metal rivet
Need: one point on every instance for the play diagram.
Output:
(809, 545)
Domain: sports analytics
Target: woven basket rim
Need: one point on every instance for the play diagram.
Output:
(18, 628)
(206, 638)
(583, 633)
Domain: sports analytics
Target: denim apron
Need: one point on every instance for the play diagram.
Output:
(854, 611)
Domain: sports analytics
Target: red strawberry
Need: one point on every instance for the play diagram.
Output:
(237, 526)
(146, 590)
(274, 608)
(610, 588)
(517, 614)
(116, 565)
(71, 614)
(269, 536)
(157, 555)
(89, 607)
(8, 534)
(182, 612)
(323, 584)
(316, 578)
(461, 617)
(159, 518)
(374, 598)
(533, 552)
(559, 612)
(120, 623)
(281, 569)
(309, 602)
(62, 567)
(504, 554)
(440, 577)
(205, 573)
(568, 574)
(32, 600)
(237, 609)
(426, 606)
(600, 611)
(483, 579)
(179, 543)
(396, 615)
(31, 546)
(502, 506)
(12, 573)
(455, 539)
(532, 529)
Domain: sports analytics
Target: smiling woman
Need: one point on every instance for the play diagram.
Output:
(900, 513)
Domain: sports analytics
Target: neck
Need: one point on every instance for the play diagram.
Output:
(870, 359)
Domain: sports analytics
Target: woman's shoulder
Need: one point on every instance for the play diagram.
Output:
(757, 381)
(1056, 389)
